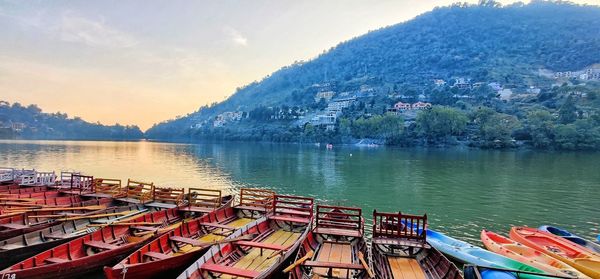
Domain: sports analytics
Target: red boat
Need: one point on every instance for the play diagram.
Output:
(19, 222)
(402, 252)
(170, 253)
(336, 247)
(90, 252)
(16, 189)
(272, 241)
(21, 247)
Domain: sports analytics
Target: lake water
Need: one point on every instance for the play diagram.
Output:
(461, 190)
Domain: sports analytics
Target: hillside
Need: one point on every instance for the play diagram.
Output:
(29, 122)
(515, 48)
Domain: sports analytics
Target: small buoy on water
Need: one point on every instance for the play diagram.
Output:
(350, 154)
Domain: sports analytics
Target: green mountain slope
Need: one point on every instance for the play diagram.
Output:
(509, 45)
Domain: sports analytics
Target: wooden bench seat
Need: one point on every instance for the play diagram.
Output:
(217, 225)
(229, 270)
(199, 209)
(59, 235)
(340, 232)
(185, 240)
(400, 242)
(290, 219)
(56, 260)
(100, 245)
(294, 212)
(260, 245)
(14, 226)
(334, 265)
(158, 256)
(144, 228)
(253, 208)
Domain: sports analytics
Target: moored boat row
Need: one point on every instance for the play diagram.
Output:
(79, 224)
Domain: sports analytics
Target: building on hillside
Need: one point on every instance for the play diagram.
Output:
(326, 95)
(439, 82)
(327, 120)
(533, 90)
(477, 85)
(495, 86)
(18, 126)
(462, 83)
(421, 105)
(567, 74)
(337, 105)
(505, 94)
(226, 117)
(402, 106)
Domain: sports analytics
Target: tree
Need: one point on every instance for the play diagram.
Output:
(440, 122)
(541, 127)
(568, 111)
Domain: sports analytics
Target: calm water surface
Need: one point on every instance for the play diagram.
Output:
(461, 190)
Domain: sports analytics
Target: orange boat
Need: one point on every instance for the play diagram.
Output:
(516, 251)
(559, 248)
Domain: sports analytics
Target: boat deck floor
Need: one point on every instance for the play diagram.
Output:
(337, 253)
(254, 261)
(405, 268)
(216, 235)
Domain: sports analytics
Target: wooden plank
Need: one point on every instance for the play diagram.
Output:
(323, 256)
(100, 245)
(158, 256)
(230, 270)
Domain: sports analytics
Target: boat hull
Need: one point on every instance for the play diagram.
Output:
(559, 248)
(594, 247)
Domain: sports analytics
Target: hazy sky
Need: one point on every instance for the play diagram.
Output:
(141, 62)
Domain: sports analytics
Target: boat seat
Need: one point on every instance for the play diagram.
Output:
(260, 245)
(144, 228)
(217, 225)
(100, 245)
(400, 242)
(158, 256)
(334, 265)
(290, 219)
(199, 209)
(55, 235)
(253, 208)
(295, 212)
(229, 270)
(56, 260)
(340, 232)
(161, 205)
(14, 226)
(10, 247)
(185, 240)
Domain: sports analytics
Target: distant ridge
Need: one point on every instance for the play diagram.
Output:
(510, 45)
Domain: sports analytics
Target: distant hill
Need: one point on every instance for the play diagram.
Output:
(29, 122)
(517, 46)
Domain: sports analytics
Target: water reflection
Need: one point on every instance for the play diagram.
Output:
(462, 190)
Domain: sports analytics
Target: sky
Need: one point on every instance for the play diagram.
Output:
(145, 61)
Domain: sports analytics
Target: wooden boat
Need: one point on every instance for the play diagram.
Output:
(37, 178)
(590, 245)
(168, 255)
(518, 252)
(92, 251)
(468, 254)
(559, 248)
(32, 219)
(20, 247)
(16, 189)
(7, 175)
(31, 195)
(399, 251)
(273, 240)
(335, 248)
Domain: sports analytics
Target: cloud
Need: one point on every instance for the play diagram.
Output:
(77, 29)
(236, 37)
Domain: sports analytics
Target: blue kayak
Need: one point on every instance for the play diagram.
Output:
(590, 245)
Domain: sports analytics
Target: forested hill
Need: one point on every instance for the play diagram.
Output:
(517, 46)
(29, 122)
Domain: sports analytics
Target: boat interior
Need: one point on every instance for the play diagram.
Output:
(271, 239)
(400, 249)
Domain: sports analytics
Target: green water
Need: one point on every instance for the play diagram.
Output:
(461, 190)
